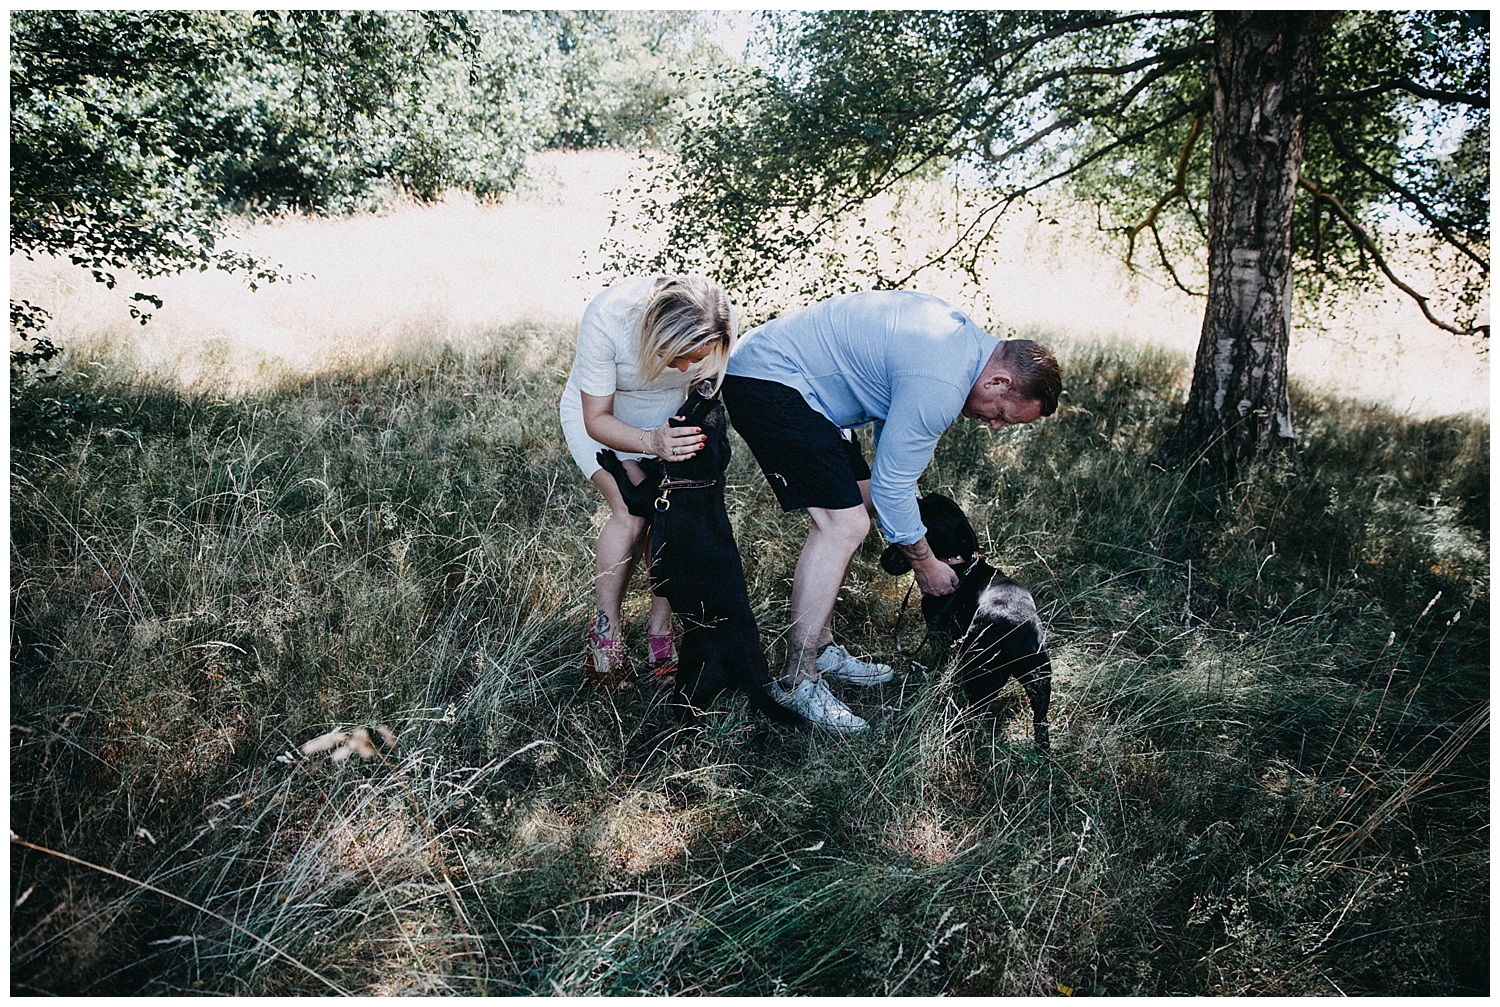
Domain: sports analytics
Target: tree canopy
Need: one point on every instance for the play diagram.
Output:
(1113, 106)
(138, 136)
(1391, 143)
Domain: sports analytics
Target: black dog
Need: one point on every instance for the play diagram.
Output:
(696, 566)
(1002, 637)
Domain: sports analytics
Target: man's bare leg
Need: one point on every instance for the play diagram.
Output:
(831, 544)
(827, 635)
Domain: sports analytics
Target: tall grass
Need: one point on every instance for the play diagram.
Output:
(1270, 727)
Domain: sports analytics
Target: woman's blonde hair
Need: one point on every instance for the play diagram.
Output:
(684, 314)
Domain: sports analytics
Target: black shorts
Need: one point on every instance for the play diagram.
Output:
(806, 458)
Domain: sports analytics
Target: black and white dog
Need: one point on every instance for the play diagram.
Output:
(993, 616)
(696, 566)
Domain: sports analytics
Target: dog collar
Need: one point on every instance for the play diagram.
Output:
(664, 503)
(943, 614)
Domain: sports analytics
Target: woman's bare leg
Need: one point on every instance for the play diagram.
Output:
(614, 555)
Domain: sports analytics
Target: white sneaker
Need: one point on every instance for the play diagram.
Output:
(818, 706)
(838, 664)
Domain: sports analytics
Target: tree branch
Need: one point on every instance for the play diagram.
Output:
(1004, 202)
(1170, 59)
(1368, 243)
(1001, 204)
(1161, 253)
(1179, 188)
(1010, 197)
(1410, 197)
(1410, 87)
(1114, 107)
(1085, 24)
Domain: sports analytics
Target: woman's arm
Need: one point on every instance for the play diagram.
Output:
(666, 441)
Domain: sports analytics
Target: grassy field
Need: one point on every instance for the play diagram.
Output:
(1270, 718)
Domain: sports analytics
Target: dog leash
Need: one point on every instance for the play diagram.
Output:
(947, 608)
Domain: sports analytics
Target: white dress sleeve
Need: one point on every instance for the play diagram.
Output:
(594, 367)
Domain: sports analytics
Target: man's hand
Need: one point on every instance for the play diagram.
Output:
(934, 577)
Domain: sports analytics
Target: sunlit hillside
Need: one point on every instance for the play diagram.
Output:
(364, 288)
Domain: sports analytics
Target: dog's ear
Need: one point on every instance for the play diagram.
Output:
(719, 451)
(948, 530)
(713, 416)
(700, 402)
(893, 561)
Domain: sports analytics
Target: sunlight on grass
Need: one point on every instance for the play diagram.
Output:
(1270, 762)
(377, 288)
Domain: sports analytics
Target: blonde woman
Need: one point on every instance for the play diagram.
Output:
(642, 343)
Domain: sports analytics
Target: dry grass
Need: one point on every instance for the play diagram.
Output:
(379, 286)
(1270, 774)
(344, 504)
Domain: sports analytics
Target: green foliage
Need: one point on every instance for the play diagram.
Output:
(1268, 776)
(106, 139)
(773, 170)
(26, 323)
(627, 76)
(1393, 152)
(137, 136)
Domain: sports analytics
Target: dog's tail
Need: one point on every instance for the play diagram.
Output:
(760, 698)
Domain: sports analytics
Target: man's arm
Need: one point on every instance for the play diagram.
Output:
(934, 577)
(921, 409)
(931, 579)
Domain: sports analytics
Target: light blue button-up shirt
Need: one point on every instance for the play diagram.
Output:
(902, 360)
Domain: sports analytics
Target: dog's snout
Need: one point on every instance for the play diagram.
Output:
(893, 561)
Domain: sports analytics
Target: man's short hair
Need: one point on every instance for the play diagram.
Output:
(1035, 370)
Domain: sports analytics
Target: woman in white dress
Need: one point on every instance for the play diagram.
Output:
(642, 344)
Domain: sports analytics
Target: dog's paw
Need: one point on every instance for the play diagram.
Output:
(610, 462)
(1043, 738)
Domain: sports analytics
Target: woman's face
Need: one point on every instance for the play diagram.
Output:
(690, 358)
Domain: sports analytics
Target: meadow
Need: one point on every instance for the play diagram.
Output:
(1270, 720)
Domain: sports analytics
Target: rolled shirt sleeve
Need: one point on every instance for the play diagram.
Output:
(922, 408)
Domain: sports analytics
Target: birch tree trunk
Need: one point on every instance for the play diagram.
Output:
(1265, 66)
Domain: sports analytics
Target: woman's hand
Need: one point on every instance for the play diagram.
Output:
(676, 444)
(669, 443)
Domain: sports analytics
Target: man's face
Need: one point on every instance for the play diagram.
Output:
(996, 404)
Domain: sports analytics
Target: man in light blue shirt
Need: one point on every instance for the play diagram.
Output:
(908, 363)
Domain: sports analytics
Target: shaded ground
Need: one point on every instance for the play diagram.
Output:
(1270, 772)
